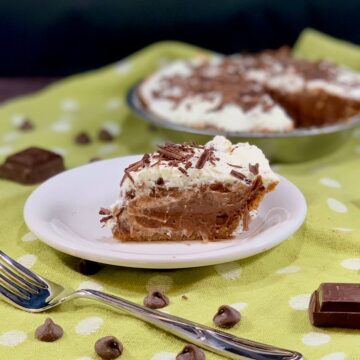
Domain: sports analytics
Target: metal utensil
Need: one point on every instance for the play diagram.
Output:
(295, 146)
(33, 293)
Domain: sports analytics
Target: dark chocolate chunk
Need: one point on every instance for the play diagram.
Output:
(31, 166)
(49, 331)
(82, 138)
(190, 352)
(26, 125)
(336, 305)
(226, 317)
(156, 300)
(109, 347)
(88, 267)
(105, 135)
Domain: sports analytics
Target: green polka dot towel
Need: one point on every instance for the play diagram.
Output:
(270, 290)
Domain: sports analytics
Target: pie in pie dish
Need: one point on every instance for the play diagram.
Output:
(271, 91)
(190, 192)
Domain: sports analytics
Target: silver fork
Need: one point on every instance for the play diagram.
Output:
(33, 293)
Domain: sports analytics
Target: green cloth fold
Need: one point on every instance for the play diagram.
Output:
(271, 289)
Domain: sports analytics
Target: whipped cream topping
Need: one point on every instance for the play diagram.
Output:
(223, 164)
(205, 110)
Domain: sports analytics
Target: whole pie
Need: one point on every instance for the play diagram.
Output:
(190, 192)
(271, 91)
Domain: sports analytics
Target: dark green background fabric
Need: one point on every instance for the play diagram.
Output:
(40, 37)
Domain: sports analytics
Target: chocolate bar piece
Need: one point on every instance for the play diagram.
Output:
(31, 166)
(336, 305)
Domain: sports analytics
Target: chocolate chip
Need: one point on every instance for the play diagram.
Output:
(190, 352)
(109, 347)
(49, 331)
(105, 135)
(26, 125)
(82, 138)
(184, 297)
(226, 317)
(156, 300)
(160, 181)
(94, 159)
(88, 267)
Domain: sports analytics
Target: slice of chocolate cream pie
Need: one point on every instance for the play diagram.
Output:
(190, 192)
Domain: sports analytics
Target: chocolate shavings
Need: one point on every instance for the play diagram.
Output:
(205, 156)
(237, 174)
(254, 168)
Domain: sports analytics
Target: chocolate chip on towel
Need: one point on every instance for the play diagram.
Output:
(109, 347)
(156, 300)
(226, 317)
(88, 267)
(190, 352)
(26, 125)
(82, 138)
(105, 135)
(49, 331)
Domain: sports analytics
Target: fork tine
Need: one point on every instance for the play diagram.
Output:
(23, 270)
(27, 285)
(11, 297)
(21, 292)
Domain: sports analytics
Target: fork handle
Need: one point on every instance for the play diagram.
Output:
(208, 338)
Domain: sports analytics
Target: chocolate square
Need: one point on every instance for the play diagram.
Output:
(31, 166)
(335, 305)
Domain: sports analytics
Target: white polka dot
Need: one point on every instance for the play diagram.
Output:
(112, 127)
(123, 67)
(69, 105)
(357, 149)
(107, 149)
(59, 150)
(17, 119)
(330, 182)
(89, 325)
(229, 271)
(61, 126)
(84, 358)
(351, 264)
(164, 356)
(10, 136)
(159, 282)
(239, 306)
(288, 270)
(5, 150)
(334, 356)
(27, 260)
(315, 339)
(336, 205)
(29, 237)
(12, 338)
(300, 302)
(113, 104)
(343, 229)
(90, 285)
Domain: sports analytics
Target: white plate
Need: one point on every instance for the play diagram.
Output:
(63, 213)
